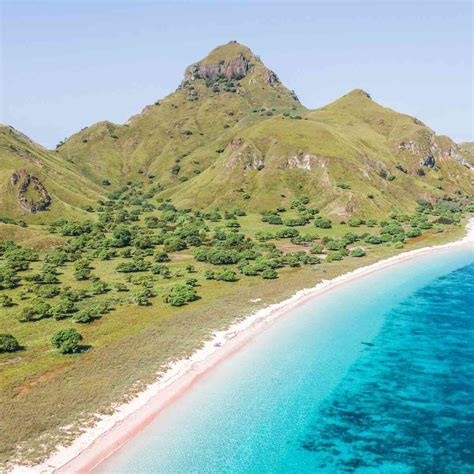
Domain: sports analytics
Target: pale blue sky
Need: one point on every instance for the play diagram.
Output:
(68, 64)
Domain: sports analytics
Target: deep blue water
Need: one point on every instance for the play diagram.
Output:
(375, 376)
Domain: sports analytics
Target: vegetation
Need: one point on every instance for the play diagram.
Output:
(66, 341)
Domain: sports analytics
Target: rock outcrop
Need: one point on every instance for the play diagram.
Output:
(233, 69)
(29, 185)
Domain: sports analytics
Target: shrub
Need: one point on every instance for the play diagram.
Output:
(180, 295)
(335, 245)
(226, 275)
(269, 274)
(8, 278)
(63, 308)
(358, 252)
(8, 343)
(36, 311)
(343, 185)
(317, 249)
(209, 275)
(334, 256)
(249, 270)
(322, 223)
(86, 316)
(161, 257)
(411, 233)
(354, 222)
(373, 239)
(66, 341)
(6, 301)
(142, 297)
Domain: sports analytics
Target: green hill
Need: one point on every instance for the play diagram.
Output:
(233, 134)
(351, 157)
(36, 185)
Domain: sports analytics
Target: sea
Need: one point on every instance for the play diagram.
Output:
(373, 376)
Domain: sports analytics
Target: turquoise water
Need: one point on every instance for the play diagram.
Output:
(375, 376)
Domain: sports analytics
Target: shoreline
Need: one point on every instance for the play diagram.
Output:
(113, 431)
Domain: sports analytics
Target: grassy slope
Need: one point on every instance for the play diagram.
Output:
(68, 189)
(351, 141)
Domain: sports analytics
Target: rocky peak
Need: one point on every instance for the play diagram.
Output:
(231, 61)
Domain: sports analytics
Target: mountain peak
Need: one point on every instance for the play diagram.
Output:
(358, 93)
(231, 61)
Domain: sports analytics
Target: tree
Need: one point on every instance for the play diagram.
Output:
(322, 223)
(142, 297)
(6, 301)
(122, 236)
(8, 278)
(358, 252)
(269, 274)
(36, 311)
(226, 275)
(86, 316)
(66, 341)
(100, 287)
(63, 308)
(180, 295)
(161, 257)
(8, 343)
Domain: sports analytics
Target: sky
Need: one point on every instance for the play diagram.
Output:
(68, 64)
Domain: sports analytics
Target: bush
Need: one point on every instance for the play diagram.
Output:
(358, 252)
(343, 185)
(6, 301)
(8, 343)
(226, 275)
(209, 275)
(66, 341)
(180, 295)
(411, 233)
(63, 309)
(354, 222)
(269, 274)
(86, 316)
(373, 239)
(322, 223)
(161, 257)
(317, 249)
(334, 256)
(36, 311)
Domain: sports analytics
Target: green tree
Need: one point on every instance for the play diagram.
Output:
(180, 295)
(8, 343)
(357, 252)
(6, 301)
(269, 274)
(66, 341)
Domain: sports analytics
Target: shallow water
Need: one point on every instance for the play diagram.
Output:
(374, 376)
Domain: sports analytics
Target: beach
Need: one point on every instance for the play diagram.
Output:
(113, 431)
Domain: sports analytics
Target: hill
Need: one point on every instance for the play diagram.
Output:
(37, 186)
(351, 157)
(233, 134)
